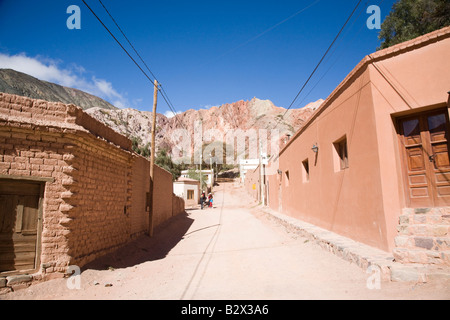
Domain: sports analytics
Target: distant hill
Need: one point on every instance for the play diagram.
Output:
(255, 114)
(243, 115)
(22, 84)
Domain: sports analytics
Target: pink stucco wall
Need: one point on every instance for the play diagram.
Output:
(364, 201)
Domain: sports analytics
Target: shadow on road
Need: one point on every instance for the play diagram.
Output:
(144, 248)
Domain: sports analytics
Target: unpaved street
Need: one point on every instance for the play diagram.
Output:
(231, 252)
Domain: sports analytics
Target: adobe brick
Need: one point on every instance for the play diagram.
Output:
(18, 135)
(52, 162)
(27, 154)
(45, 167)
(34, 137)
(6, 134)
(16, 107)
(36, 161)
(55, 156)
(18, 166)
(24, 173)
(41, 155)
(21, 159)
(34, 148)
(43, 174)
(5, 165)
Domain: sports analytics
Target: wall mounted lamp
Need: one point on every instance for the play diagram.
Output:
(315, 148)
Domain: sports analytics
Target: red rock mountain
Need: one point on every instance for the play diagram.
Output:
(255, 114)
(245, 115)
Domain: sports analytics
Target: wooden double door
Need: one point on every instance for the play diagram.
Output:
(424, 141)
(20, 216)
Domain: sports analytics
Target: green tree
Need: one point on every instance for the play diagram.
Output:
(139, 148)
(194, 174)
(164, 160)
(409, 19)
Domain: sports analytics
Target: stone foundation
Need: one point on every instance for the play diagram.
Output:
(423, 236)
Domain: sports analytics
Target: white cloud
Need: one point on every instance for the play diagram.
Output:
(49, 70)
(169, 114)
(208, 106)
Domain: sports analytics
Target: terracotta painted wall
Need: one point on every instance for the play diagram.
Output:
(343, 201)
(252, 184)
(405, 84)
(364, 201)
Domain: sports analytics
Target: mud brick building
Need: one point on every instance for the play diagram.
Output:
(71, 189)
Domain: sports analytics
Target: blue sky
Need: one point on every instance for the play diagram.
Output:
(205, 53)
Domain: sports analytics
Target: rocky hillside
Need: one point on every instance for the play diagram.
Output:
(22, 84)
(244, 115)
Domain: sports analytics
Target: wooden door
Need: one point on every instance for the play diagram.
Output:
(425, 144)
(19, 216)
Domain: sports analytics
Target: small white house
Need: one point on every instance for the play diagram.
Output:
(208, 173)
(188, 189)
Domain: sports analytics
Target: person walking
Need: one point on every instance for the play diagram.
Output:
(210, 200)
(203, 200)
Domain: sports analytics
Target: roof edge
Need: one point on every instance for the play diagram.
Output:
(395, 50)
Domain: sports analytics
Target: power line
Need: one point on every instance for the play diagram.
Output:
(163, 92)
(264, 32)
(299, 104)
(164, 95)
(129, 42)
(118, 42)
(320, 62)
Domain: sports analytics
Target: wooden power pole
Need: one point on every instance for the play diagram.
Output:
(152, 159)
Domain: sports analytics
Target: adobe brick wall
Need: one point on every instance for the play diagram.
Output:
(141, 186)
(100, 201)
(162, 196)
(95, 200)
(178, 206)
(30, 153)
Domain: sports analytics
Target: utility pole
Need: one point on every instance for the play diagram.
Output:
(201, 175)
(152, 159)
(262, 189)
(212, 171)
(201, 158)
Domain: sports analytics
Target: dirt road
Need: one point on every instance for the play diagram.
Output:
(230, 252)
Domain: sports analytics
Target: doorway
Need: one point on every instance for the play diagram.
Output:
(424, 140)
(20, 225)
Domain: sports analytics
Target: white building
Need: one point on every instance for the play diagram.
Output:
(249, 164)
(188, 189)
(208, 173)
(245, 165)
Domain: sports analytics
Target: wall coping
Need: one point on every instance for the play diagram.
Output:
(25, 112)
